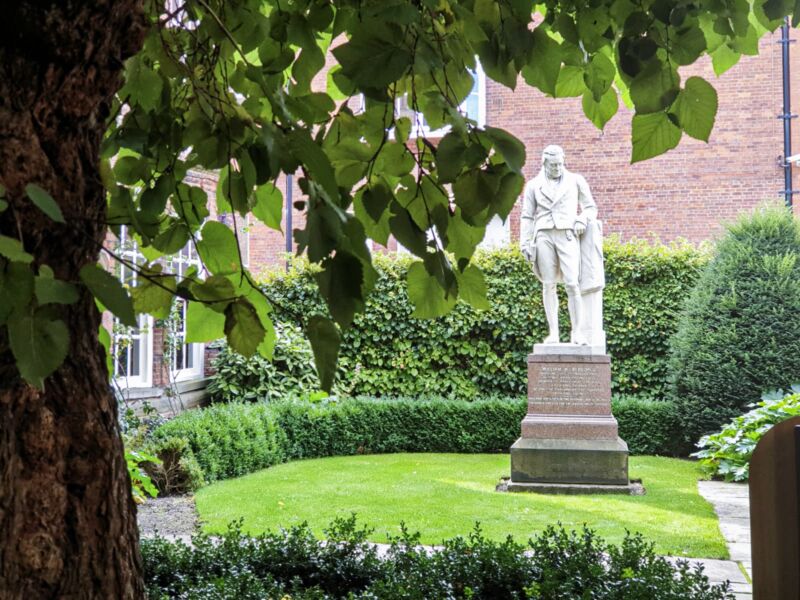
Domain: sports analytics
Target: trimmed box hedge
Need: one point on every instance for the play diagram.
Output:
(228, 440)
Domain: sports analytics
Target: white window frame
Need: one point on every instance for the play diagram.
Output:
(128, 249)
(180, 264)
(419, 126)
(144, 333)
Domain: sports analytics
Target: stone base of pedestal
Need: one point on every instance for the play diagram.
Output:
(569, 462)
(632, 489)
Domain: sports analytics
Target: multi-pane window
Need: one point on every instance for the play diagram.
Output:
(132, 347)
(186, 359)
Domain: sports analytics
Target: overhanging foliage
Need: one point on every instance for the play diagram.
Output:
(231, 85)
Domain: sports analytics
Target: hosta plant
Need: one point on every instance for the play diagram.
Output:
(726, 454)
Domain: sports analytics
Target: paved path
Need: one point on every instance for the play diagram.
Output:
(731, 502)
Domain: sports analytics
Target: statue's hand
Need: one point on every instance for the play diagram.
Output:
(526, 252)
(580, 228)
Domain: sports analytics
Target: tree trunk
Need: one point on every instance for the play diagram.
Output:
(67, 519)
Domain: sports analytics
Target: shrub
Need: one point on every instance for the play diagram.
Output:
(291, 370)
(648, 426)
(228, 440)
(739, 334)
(727, 454)
(175, 470)
(469, 353)
(294, 564)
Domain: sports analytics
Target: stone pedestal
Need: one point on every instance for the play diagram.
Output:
(569, 442)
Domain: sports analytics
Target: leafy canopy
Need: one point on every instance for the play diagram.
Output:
(242, 87)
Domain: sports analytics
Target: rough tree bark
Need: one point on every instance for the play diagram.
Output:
(67, 520)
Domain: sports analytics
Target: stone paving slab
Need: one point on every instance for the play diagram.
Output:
(731, 502)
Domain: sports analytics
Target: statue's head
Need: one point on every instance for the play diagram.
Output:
(553, 161)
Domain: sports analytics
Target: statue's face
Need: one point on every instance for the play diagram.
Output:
(554, 167)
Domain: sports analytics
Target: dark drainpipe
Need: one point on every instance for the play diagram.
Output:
(786, 115)
(289, 242)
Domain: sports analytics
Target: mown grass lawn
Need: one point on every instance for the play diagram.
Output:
(443, 495)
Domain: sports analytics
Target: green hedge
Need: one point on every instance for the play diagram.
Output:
(228, 439)
(237, 438)
(470, 353)
(381, 426)
(555, 564)
(648, 426)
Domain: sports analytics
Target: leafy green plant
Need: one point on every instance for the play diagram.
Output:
(141, 484)
(739, 333)
(726, 454)
(227, 440)
(291, 563)
(175, 469)
(290, 371)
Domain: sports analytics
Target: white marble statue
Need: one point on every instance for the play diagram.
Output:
(563, 240)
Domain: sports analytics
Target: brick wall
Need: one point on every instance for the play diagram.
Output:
(687, 192)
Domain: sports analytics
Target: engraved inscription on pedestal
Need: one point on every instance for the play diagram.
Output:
(567, 388)
(569, 397)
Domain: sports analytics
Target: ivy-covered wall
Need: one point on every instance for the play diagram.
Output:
(470, 353)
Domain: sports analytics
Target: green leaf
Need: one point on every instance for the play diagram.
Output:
(450, 157)
(243, 328)
(203, 324)
(12, 249)
(570, 82)
(340, 283)
(154, 294)
(142, 83)
(472, 287)
(374, 56)
(511, 148)
(599, 75)
(130, 170)
(16, 288)
(697, 108)
(688, 45)
(544, 65)
(45, 202)
(109, 291)
(369, 203)
(406, 231)
(426, 294)
(39, 346)
(655, 88)
(723, 58)
(105, 341)
(315, 160)
(653, 134)
(601, 112)
(325, 342)
(54, 291)
(268, 207)
(173, 238)
(218, 250)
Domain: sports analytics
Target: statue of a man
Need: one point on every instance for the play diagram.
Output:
(551, 230)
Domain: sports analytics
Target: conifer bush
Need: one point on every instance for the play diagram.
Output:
(739, 334)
